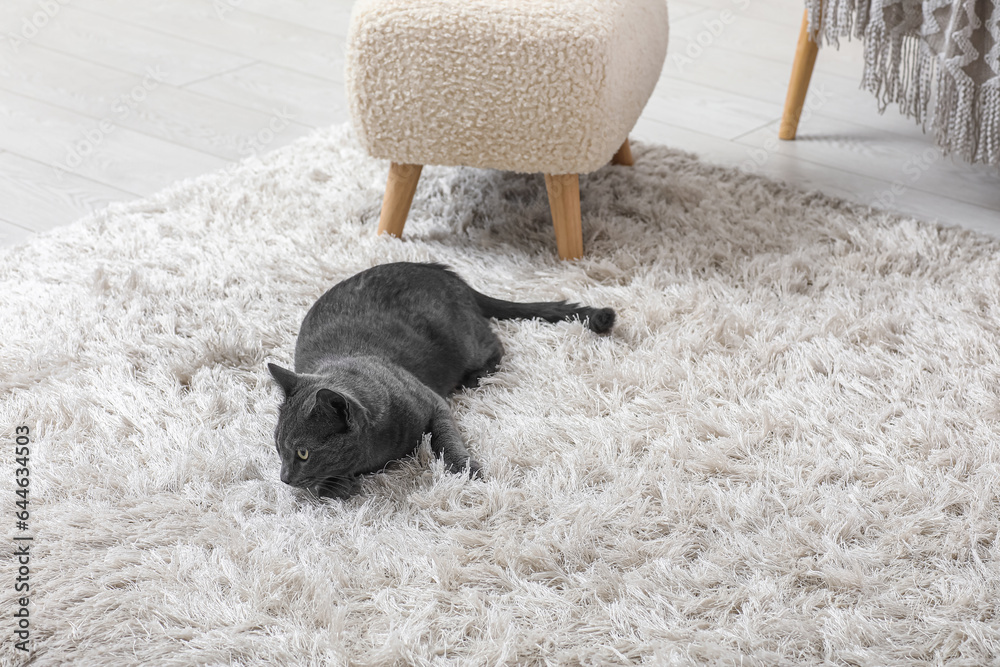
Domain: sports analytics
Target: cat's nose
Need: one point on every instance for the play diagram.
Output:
(286, 474)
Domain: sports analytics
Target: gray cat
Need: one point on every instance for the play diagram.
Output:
(375, 357)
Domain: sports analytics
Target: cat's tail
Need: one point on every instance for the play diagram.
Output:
(600, 320)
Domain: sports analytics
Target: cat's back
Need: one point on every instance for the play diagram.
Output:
(389, 289)
(401, 311)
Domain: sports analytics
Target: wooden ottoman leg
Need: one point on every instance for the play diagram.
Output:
(564, 201)
(624, 155)
(798, 86)
(399, 189)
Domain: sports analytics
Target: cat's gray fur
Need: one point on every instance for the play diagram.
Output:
(375, 358)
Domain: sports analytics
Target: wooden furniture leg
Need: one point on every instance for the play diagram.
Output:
(624, 155)
(564, 201)
(798, 86)
(399, 189)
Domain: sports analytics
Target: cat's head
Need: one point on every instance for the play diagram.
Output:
(317, 433)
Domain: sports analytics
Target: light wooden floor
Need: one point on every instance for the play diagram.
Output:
(104, 100)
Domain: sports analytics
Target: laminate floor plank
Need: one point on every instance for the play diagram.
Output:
(12, 235)
(63, 80)
(132, 48)
(332, 16)
(745, 34)
(122, 158)
(775, 12)
(142, 103)
(679, 9)
(37, 196)
(24, 18)
(713, 111)
(223, 25)
(264, 88)
(766, 80)
(904, 161)
(858, 188)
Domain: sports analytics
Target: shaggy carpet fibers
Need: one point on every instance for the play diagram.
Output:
(785, 453)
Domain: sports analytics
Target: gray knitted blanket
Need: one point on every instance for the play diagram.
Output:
(938, 59)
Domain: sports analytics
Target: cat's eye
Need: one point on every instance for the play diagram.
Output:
(302, 453)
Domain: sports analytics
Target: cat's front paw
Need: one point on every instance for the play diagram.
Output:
(469, 466)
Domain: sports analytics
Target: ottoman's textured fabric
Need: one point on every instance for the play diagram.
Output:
(549, 86)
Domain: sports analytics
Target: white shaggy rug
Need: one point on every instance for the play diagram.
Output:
(785, 453)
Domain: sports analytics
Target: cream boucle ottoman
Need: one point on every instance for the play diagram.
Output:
(550, 86)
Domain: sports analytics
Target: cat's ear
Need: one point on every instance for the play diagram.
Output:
(332, 408)
(285, 378)
(340, 410)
